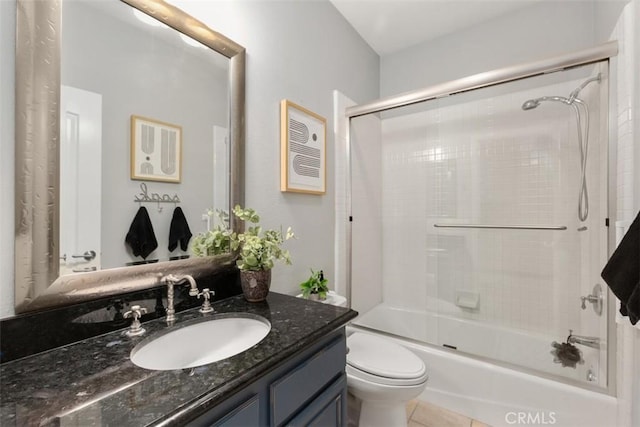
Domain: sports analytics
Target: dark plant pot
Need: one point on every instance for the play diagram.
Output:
(255, 284)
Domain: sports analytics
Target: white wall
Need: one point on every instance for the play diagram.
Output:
(7, 99)
(300, 51)
(542, 30)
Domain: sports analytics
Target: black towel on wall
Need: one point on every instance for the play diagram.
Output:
(622, 272)
(179, 231)
(140, 237)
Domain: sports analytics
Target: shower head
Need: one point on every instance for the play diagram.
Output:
(573, 96)
(530, 104)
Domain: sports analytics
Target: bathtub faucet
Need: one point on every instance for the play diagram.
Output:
(593, 342)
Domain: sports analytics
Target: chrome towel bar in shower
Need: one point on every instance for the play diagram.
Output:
(505, 227)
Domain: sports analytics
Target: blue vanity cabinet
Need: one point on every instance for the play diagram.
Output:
(307, 389)
(328, 409)
(246, 414)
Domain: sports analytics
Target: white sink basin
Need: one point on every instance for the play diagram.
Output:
(196, 344)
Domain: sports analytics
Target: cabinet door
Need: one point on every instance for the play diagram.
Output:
(298, 386)
(327, 410)
(247, 414)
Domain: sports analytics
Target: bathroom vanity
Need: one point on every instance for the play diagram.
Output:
(295, 375)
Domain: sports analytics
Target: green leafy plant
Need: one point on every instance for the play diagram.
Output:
(315, 284)
(258, 248)
(215, 241)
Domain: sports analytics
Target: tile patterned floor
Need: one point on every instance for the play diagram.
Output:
(419, 414)
(424, 414)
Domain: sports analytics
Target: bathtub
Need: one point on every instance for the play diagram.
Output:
(493, 394)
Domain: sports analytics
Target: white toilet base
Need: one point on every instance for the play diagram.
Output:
(379, 414)
(382, 405)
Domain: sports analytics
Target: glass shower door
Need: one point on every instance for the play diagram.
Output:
(483, 248)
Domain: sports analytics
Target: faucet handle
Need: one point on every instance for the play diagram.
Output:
(206, 305)
(136, 312)
(136, 327)
(595, 298)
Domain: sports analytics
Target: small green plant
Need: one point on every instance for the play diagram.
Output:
(216, 241)
(315, 284)
(258, 248)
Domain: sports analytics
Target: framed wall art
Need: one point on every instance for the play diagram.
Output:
(156, 150)
(303, 150)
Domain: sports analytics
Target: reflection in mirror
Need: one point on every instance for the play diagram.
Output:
(150, 118)
(116, 68)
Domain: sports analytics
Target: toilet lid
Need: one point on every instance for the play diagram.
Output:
(381, 357)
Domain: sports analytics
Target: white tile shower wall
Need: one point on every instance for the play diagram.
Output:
(484, 162)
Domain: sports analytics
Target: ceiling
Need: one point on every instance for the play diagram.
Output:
(392, 25)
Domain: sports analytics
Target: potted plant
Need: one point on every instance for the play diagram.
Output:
(315, 287)
(258, 250)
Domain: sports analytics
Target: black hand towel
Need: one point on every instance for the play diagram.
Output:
(622, 272)
(140, 236)
(179, 231)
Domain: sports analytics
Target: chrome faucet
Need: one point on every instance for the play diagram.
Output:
(136, 313)
(206, 294)
(170, 280)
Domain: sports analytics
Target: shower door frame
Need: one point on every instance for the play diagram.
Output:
(553, 64)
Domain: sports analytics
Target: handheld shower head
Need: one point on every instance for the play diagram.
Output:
(583, 143)
(530, 104)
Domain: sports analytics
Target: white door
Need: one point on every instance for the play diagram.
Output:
(80, 180)
(221, 155)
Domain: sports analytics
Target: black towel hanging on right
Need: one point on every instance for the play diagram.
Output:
(179, 231)
(622, 272)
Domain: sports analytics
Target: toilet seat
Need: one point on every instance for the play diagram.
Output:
(384, 381)
(381, 361)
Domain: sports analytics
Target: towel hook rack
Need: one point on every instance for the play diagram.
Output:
(145, 197)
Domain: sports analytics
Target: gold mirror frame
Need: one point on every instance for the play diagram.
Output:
(37, 208)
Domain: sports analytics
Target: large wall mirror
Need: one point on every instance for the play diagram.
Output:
(127, 113)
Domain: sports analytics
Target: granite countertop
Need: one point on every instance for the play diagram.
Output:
(93, 382)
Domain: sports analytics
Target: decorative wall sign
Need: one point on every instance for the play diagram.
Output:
(303, 149)
(156, 150)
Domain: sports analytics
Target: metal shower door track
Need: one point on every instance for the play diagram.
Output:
(489, 78)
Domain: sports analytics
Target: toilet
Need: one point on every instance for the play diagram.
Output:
(382, 374)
